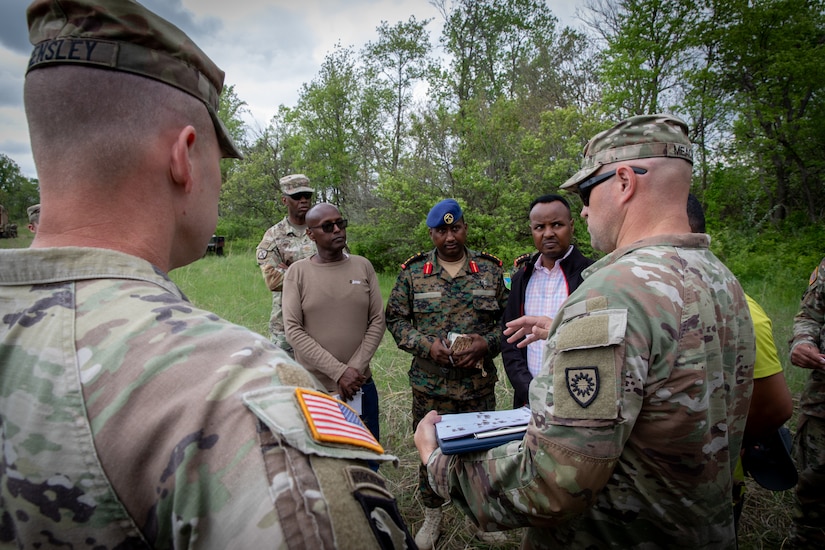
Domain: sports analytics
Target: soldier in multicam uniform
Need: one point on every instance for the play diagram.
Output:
(639, 410)
(808, 352)
(130, 418)
(283, 244)
(449, 289)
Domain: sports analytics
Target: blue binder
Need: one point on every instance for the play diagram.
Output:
(472, 443)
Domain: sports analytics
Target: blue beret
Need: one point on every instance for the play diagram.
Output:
(446, 212)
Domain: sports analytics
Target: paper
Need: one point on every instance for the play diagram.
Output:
(355, 402)
(461, 342)
(453, 426)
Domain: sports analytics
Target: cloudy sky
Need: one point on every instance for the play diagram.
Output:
(268, 48)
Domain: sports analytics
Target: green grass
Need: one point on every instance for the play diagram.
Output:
(232, 287)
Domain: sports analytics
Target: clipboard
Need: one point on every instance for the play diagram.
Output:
(481, 442)
(479, 431)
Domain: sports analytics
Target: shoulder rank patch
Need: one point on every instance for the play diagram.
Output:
(331, 421)
(521, 259)
(489, 256)
(412, 259)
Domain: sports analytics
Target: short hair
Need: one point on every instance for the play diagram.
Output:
(550, 198)
(82, 117)
(696, 214)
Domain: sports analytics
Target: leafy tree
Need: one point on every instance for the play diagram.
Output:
(646, 53)
(771, 53)
(398, 61)
(490, 42)
(328, 110)
(230, 110)
(17, 192)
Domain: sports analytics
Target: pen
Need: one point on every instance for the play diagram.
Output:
(501, 431)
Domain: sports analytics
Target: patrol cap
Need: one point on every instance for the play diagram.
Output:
(769, 463)
(637, 137)
(122, 35)
(295, 183)
(446, 212)
(33, 211)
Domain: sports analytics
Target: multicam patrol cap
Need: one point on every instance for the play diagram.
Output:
(295, 183)
(637, 137)
(445, 212)
(122, 35)
(33, 212)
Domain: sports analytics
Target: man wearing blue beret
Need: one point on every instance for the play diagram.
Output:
(447, 291)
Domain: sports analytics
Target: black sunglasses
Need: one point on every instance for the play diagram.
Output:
(301, 196)
(327, 227)
(587, 185)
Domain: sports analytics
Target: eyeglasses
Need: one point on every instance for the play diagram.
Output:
(587, 185)
(328, 227)
(301, 196)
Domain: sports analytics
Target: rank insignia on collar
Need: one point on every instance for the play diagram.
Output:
(333, 421)
(473, 266)
(428, 268)
(582, 384)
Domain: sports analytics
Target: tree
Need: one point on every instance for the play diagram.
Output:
(397, 62)
(328, 110)
(230, 110)
(771, 53)
(646, 52)
(17, 192)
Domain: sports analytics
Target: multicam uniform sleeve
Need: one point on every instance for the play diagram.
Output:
(810, 319)
(270, 261)
(399, 317)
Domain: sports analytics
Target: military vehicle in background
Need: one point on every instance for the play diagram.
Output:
(215, 245)
(8, 230)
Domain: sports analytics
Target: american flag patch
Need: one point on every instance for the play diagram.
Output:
(333, 421)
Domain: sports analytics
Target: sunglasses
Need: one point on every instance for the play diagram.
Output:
(328, 227)
(587, 185)
(301, 196)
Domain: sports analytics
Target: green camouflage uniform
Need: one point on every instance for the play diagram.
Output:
(808, 529)
(424, 306)
(638, 412)
(130, 418)
(281, 244)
